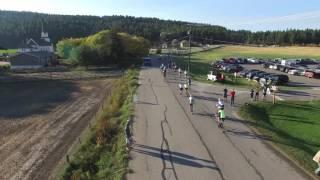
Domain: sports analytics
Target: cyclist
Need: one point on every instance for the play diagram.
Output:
(222, 116)
(220, 104)
(164, 71)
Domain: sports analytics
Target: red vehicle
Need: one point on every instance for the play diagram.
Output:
(312, 74)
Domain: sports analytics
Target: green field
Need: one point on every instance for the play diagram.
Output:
(200, 62)
(297, 133)
(9, 51)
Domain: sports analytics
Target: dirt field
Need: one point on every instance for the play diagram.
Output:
(40, 120)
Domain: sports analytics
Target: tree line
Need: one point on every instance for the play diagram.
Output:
(107, 47)
(16, 26)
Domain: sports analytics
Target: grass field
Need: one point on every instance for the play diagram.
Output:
(199, 65)
(9, 51)
(296, 132)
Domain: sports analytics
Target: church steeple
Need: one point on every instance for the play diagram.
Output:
(44, 35)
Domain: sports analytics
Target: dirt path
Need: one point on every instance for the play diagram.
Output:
(32, 144)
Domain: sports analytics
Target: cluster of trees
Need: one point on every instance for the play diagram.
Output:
(16, 26)
(107, 47)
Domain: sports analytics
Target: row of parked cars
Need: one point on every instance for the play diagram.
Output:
(264, 77)
(295, 69)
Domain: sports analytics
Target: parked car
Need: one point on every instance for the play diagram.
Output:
(312, 74)
(266, 65)
(253, 60)
(282, 68)
(243, 73)
(288, 69)
(279, 79)
(260, 75)
(251, 74)
(242, 61)
(293, 72)
(233, 68)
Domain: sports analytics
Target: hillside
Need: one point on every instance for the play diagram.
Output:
(16, 26)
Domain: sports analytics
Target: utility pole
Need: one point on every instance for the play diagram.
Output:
(189, 33)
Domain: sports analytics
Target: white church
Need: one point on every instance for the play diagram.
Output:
(41, 45)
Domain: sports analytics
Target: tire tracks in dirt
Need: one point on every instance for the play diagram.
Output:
(36, 145)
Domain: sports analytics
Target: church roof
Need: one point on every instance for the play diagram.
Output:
(42, 42)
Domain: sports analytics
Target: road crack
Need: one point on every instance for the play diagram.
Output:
(153, 91)
(165, 150)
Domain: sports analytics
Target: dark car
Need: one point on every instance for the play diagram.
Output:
(243, 73)
(279, 79)
(233, 68)
(252, 73)
(260, 75)
(266, 65)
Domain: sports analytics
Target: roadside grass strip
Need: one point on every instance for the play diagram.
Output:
(104, 154)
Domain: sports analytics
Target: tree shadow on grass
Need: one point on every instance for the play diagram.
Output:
(261, 121)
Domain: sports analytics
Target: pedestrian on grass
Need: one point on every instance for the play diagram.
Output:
(232, 94)
(251, 94)
(225, 94)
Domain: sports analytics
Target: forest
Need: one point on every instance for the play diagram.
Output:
(17, 26)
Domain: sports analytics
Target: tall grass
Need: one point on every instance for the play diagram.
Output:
(103, 155)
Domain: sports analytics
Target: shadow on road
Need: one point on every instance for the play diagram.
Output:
(177, 158)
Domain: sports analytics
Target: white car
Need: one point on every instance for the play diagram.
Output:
(293, 72)
(211, 76)
(253, 60)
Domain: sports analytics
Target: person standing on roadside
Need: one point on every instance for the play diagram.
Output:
(191, 101)
(256, 98)
(264, 93)
(251, 94)
(232, 94)
(180, 88)
(186, 89)
(225, 94)
(189, 81)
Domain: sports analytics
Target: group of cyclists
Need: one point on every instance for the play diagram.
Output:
(220, 114)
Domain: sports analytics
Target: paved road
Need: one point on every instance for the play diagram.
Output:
(172, 143)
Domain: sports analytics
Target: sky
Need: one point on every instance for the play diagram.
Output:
(254, 15)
